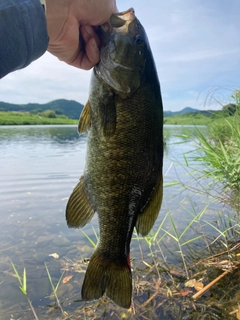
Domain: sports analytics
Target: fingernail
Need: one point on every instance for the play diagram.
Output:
(88, 28)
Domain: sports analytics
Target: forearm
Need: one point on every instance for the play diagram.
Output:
(23, 34)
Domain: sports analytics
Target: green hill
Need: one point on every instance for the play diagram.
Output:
(70, 108)
(73, 109)
(187, 111)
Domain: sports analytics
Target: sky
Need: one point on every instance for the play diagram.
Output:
(195, 44)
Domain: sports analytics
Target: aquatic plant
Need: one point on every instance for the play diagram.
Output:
(23, 287)
(55, 288)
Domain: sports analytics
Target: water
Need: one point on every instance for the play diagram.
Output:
(39, 166)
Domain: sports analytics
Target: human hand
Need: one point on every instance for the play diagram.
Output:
(70, 24)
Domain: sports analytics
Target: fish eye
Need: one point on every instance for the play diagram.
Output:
(138, 40)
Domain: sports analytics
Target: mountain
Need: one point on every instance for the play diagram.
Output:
(183, 111)
(187, 110)
(70, 108)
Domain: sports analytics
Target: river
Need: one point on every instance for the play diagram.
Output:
(39, 166)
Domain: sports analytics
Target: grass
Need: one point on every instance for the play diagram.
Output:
(189, 119)
(20, 118)
(220, 155)
(55, 288)
(24, 118)
(23, 287)
(162, 287)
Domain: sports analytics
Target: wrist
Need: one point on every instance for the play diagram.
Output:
(56, 14)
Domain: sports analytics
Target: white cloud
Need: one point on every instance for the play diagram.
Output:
(195, 44)
(44, 80)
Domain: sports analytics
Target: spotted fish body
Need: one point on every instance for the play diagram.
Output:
(122, 180)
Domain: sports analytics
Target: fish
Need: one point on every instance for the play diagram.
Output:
(122, 180)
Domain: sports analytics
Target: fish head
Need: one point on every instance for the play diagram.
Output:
(124, 52)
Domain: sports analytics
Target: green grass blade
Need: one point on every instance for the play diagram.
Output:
(185, 160)
(195, 219)
(23, 291)
(59, 281)
(95, 233)
(49, 277)
(25, 280)
(54, 289)
(191, 240)
(174, 227)
(89, 239)
(171, 235)
(215, 228)
(17, 274)
(171, 184)
(160, 227)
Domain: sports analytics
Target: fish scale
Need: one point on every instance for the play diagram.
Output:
(122, 179)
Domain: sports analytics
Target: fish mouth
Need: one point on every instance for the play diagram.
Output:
(119, 19)
(116, 42)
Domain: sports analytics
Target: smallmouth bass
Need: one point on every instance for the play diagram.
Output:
(122, 179)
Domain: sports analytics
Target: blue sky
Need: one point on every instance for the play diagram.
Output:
(195, 43)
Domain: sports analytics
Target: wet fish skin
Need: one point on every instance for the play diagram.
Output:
(122, 180)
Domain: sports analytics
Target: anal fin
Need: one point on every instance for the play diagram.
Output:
(146, 219)
(79, 210)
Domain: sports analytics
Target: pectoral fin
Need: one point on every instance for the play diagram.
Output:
(85, 119)
(79, 211)
(107, 111)
(146, 219)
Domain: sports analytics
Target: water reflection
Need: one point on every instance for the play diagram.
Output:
(51, 134)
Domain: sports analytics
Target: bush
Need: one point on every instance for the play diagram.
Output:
(49, 114)
(229, 109)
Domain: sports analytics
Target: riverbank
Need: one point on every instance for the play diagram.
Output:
(23, 118)
(189, 119)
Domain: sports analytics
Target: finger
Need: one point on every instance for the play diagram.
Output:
(88, 32)
(87, 60)
(92, 52)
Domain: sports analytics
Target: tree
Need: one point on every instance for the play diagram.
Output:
(229, 109)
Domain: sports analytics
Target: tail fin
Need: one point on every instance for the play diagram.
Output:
(107, 276)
